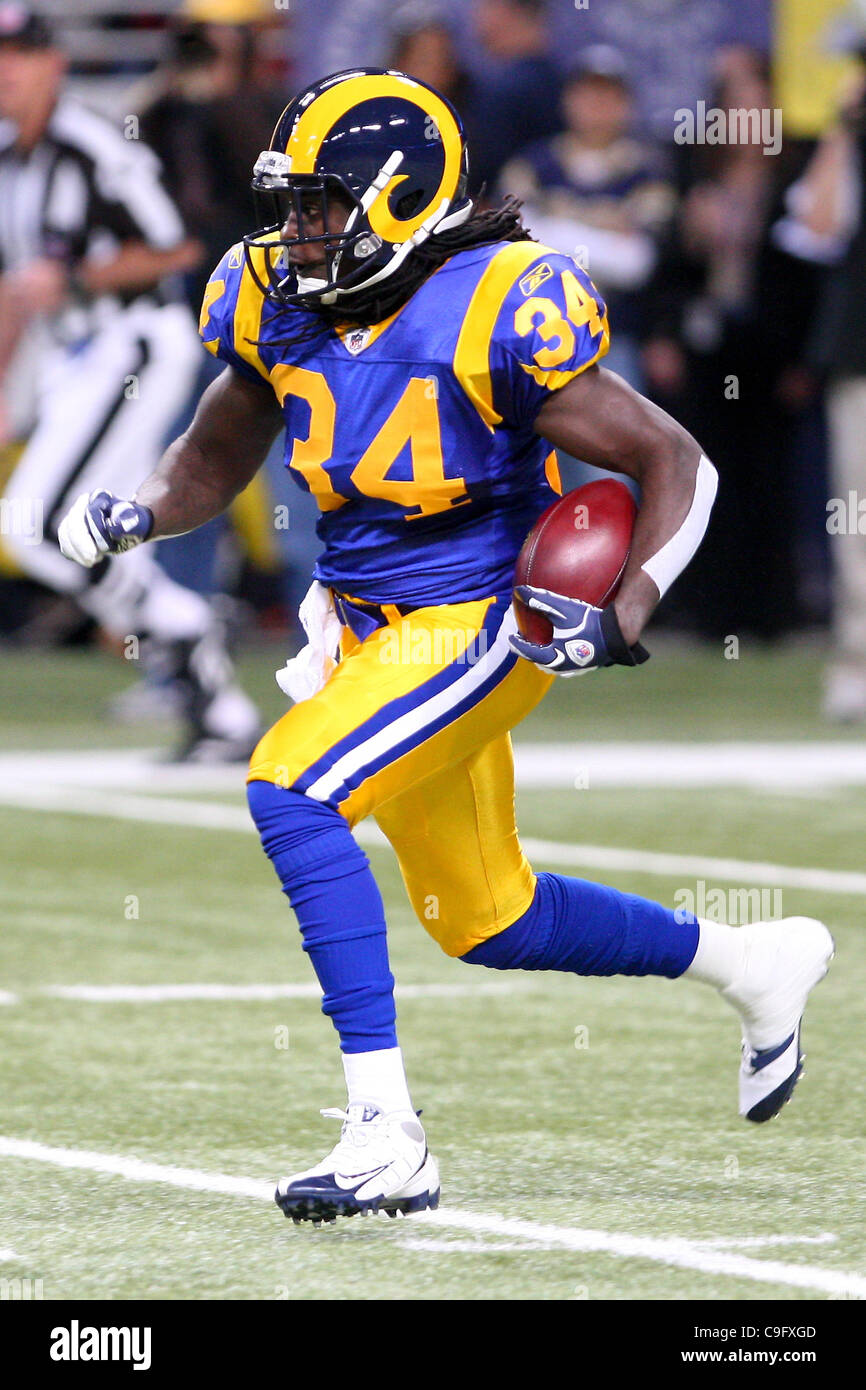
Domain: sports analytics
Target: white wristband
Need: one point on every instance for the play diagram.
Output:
(671, 560)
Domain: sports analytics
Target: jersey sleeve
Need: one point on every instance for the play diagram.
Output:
(535, 322)
(552, 326)
(230, 319)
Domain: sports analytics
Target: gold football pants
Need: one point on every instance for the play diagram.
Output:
(413, 728)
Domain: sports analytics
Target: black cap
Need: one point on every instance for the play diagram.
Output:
(23, 27)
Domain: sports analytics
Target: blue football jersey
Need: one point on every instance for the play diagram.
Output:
(416, 436)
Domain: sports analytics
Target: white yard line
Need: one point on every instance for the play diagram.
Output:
(761, 1242)
(684, 1254)
(760, 765)
(85, 801)
(214, 816)
(158, 994)
(135, 1169)
(9, 1255)
(674, 1251)
(7, 998)
(697, 866)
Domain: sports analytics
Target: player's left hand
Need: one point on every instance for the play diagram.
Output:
(584, 638)
(98, 524)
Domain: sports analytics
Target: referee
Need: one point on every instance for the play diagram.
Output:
(89, 241)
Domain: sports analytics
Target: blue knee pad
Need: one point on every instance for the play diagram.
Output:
(588, 929)
(327, 879)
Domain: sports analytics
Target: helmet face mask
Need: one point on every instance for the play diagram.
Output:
(318, 207)
(364, 165)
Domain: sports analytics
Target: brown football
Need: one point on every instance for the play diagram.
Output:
(578, 547)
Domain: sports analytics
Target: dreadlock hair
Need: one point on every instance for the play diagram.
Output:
(380, 301)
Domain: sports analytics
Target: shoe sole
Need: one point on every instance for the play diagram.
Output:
(419, 1193)
(327, 1209)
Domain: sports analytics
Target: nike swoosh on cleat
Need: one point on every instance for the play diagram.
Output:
(759, 1060)
(356, 1180)
(323, 1183)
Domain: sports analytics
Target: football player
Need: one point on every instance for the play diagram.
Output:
(423, 358)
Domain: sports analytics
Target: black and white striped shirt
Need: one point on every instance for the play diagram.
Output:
(79, 195)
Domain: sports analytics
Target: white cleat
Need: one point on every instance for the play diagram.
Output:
(381, 1163)
(784, 962)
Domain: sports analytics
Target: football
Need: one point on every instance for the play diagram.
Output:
(578, 547)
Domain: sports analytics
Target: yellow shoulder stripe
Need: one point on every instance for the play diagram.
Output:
(472, 354)
(248, 313)
(214, 289)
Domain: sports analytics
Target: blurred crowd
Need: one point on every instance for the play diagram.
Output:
(733, 268)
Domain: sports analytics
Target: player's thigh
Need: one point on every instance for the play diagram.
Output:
(456, 841)
(416, 697)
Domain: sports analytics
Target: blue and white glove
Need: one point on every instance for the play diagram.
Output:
(584, 638)
(98, 524)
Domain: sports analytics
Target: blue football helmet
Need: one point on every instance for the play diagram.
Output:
(389, 150)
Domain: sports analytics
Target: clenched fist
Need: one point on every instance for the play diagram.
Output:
(98, 524)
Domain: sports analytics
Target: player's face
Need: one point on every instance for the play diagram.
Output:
(310, 257)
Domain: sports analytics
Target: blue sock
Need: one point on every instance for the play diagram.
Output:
(327, 879)
(586, 928)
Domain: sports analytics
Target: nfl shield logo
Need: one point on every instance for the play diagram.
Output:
(580, 651)
(357, 340)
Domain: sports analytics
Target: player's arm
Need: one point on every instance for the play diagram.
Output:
(195, 480)
(203, 471)
(599, 418)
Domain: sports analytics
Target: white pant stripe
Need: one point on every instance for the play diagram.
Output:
(416, 720)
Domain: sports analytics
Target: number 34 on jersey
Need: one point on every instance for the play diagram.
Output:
(434, 408)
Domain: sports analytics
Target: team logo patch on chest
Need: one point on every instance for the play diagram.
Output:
(357, 340)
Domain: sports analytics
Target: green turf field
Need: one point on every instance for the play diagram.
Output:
(586, 1129)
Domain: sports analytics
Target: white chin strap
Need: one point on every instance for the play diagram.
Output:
(309, 284)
